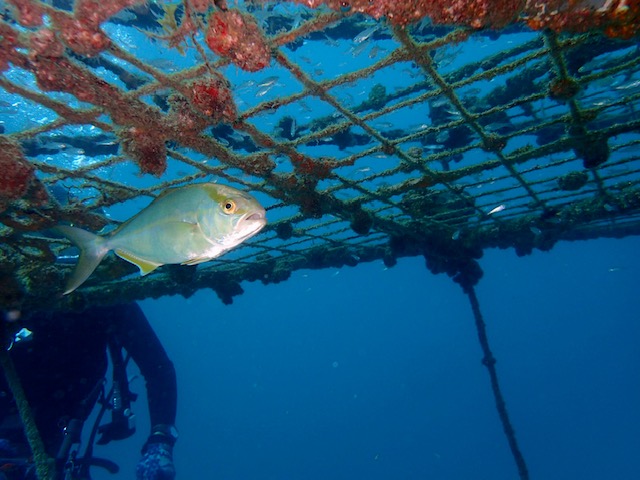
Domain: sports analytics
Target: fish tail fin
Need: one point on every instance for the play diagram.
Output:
(92, 247)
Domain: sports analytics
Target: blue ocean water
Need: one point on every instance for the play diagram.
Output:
(375, 373)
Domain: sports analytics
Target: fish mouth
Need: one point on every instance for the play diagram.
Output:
(256, 217)
(253, 222)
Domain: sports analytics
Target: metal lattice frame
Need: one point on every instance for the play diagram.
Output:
(539, 129)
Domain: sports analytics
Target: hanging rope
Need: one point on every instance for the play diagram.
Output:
(489, 361)
(45, 467)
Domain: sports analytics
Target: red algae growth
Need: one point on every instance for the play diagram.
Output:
(147, 148)
(79, 31)
(206, 99)
(17, 172)
(616, 18)
(211, 97)
(236, 36)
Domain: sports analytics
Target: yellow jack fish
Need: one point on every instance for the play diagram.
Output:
(187, 225)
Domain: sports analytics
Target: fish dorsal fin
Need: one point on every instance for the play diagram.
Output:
(145, 266)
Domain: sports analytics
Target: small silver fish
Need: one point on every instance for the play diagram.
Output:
(498, 209)
(292, 131)
(245, 86)
(373, 53)
(627, 85)
(433, 148)
(442, 137)
(186, 225)
(418, 128)
(268, 82)
(357, 50)
(262, 91)
(365, 35)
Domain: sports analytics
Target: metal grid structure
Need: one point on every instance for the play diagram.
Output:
(364, 139)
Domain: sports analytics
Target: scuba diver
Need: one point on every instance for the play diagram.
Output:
(61, 361)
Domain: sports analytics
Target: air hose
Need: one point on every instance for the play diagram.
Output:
(45, 466)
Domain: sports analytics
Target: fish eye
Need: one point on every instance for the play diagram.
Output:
(229, 206)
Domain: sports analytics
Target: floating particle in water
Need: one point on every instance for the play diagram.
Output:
(12, 315)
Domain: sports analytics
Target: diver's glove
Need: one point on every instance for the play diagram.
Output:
(157, 455)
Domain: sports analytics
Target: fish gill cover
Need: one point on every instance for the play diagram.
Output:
(368, 130)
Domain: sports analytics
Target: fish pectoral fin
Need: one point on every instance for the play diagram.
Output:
(145, 266)
(196, 261)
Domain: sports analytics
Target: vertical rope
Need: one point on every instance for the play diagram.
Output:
(45, 466)
(489, 361)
